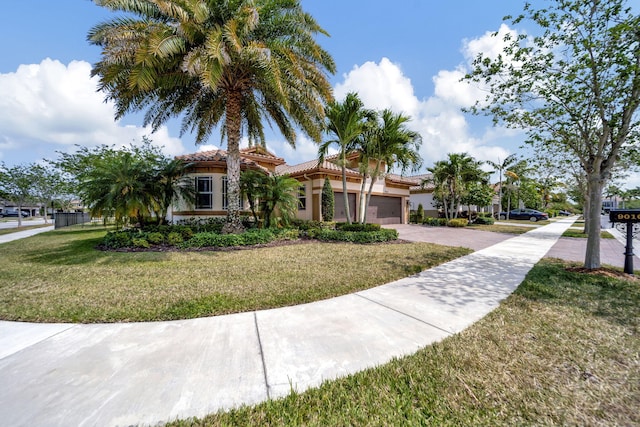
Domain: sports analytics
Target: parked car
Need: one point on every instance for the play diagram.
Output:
(14, 214)
(526, 214)
(565, 213)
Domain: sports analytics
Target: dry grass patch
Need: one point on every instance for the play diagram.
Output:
(60, 277)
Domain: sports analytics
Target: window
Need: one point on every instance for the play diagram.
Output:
(225, 199)
(204, 192)
(302, 198)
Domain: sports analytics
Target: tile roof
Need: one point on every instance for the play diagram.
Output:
(417, 180)
(311, 166)
(217, 156)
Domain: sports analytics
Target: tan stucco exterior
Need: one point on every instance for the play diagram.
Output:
(393, 190)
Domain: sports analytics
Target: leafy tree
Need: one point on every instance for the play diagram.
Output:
(328, 203)
(229, 63)
(48, 185)
(478, 194)
(134, 182)
(389, 142)
(452, 178)
(574, 88)
(345, 122)
(17, 185)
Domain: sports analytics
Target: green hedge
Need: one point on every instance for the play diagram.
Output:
(485, 220)
(343, 226)
(458, 222)
(382, 235)
(436, 222)
(182, 236)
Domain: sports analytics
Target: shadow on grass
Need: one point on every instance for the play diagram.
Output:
(78, 246)
(612, 298)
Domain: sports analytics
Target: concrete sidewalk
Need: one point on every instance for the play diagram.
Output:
(148, 373)
(23, 234)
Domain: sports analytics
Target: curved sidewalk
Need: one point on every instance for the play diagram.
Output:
(147, 373)
(9, 237)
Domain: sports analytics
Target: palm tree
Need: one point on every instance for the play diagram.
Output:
(226, 63)
(389, 142)
(502, 167)
(345, 122)
(171, 183)
(278, 195)
(451, 178)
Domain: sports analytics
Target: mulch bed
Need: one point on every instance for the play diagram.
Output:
(605, 272)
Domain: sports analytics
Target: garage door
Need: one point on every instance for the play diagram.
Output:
(339, 214)
(385, 210)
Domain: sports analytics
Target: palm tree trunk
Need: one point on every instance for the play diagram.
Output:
(374, 176)
(233, 120)
(344, 187)
(363, 200)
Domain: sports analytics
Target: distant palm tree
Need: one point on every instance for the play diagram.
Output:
(501, 167)
(345, 123)
(388, 142)
(231, 63)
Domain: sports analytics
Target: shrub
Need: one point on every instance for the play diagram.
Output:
(420, 213)
(257, 236)
(155, 238)
(435, 222)
(328, 201)
(117, 239)
(382, 235)
(174, 238)
(140, 242)
(485, 220)
(287, 234)
(357, 227)
(458, 222)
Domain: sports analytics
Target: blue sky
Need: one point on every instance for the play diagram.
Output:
(406, 54)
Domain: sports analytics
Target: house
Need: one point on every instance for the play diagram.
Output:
(422, 194)
(389, 202)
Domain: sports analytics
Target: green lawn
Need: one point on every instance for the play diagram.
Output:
(562, 350)
(500, 228)
(59, 276)
(580, 234)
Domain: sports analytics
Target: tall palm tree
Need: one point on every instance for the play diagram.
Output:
(231, 63)
(451, 178)
(501, 167)
(345, 123)
(391, 143)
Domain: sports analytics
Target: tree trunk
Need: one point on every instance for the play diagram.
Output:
(344, 187)
(374, 177)
(233, 119)
(592, 221)
(363, 200)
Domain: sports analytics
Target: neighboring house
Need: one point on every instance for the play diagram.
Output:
(389, 201)
(423, 195)
(611, 203)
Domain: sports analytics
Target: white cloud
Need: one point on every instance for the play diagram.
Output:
(443, 126)
(51, 106)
